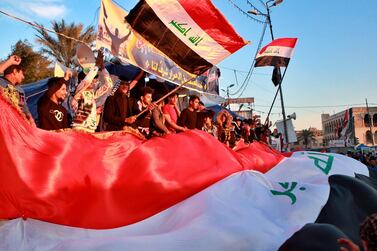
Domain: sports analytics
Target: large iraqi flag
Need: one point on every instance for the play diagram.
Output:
(193, 33)
(116, 191)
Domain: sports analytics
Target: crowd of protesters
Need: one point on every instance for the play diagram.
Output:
(367, 158)
(98, 104)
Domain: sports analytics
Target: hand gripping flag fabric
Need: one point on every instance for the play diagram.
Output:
(116, 191)
(277, 53)
(193, 33)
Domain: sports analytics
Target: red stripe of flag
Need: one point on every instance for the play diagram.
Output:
(218, 29)
(283, 42)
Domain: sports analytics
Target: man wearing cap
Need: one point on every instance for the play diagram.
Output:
(120, 108)
(52, 115)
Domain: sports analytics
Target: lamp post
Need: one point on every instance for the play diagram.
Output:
(268, 17)
(227, 91)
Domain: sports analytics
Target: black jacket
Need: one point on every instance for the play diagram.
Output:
(117, 109)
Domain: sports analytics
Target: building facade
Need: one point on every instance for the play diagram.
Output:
(352, 126)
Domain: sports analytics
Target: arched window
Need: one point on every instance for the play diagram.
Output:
(369, 137)
(375, 119)
(366, 120)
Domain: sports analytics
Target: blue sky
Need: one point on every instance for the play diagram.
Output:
(334, 62)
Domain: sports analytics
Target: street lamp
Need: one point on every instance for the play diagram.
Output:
(227, 92)
(268, 17)
(227, 89)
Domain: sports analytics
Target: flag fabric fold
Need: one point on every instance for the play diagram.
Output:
(116, 178)
(277, 53)
(246, 210)
(79, 191)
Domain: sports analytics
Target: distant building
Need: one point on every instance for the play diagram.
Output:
(350, 127)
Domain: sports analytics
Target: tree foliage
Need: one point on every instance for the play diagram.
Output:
(307, 137)
(61, 48)
(35, 66)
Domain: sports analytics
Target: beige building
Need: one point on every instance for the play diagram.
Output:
(355, 127)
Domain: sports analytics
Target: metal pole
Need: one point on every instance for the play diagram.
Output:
(279, 73)
(276, 94)
(370, 121)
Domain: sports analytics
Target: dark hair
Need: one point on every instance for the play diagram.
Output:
(368, 231)
(54, 84)
(146, 90)
(193, 98)
(82, 75)
(157, 97)
(174, 94)
(11, 68)
(201, 103)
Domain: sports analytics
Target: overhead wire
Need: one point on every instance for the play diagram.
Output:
(252, 5)
(318, 106)
(241, 71)
(245, 13)
(41, 27)
(241, 90)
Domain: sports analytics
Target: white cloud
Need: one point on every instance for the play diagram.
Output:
(48, 11)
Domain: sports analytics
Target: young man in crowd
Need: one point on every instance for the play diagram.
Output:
(52, 115)
(120, 108)
(157, 126)
(84, 101)
(172, 113)
(189, 116)
(208, 125)
(13, 76)
(145, 102)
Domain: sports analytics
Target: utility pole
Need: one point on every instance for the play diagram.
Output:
(279, 73)
(268, 17)
(370, 121)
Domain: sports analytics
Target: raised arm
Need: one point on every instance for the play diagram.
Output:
(12, 60)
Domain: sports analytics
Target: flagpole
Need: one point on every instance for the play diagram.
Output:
(276, 94)
(166, 95)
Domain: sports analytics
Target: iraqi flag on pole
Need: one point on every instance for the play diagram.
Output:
(193, 33)
(277, 53)
(116, 191)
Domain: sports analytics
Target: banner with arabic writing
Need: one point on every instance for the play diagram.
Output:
(118, 37)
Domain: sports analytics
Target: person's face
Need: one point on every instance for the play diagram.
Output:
(194, 104)
(201, 107)
(207, 120)
(18, 77)
(147, 98)
(124, 88)
(61, 93)
(173, 100)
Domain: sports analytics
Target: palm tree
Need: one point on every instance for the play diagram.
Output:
(60, 47)
(306, 136)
